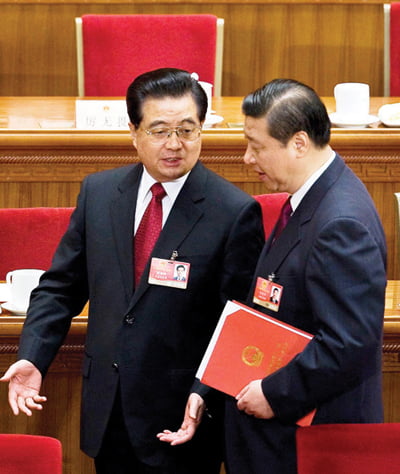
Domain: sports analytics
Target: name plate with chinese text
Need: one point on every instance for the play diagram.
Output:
(101, 115)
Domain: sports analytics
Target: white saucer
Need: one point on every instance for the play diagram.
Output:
(212, 119)
(4, 292)
(389, 115)
(10, 307)
(348, 124)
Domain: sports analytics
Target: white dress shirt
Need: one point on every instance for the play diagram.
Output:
(301, 192)
(172, 189)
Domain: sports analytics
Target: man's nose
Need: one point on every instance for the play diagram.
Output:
(173, 140)
(248, 157)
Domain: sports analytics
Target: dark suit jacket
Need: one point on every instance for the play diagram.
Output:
(150, 338)
(330, 260)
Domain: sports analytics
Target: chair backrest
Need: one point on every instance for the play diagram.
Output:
(391, 60)
(29, 237)
(30, 454)
(114, 49)
(271, 205)
(349, 449)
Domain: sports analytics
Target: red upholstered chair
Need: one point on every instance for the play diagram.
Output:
(29, 454)
(29, 237)
(114, 49)
(392, 49)
(349, 449)
(271, 205)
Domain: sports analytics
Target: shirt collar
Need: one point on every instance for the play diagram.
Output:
(301, 192)
(172, 188)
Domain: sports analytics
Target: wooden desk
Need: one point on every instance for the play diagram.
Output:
(61, 414)
(44, 167)
(62, 385)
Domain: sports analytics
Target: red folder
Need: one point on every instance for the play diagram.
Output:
(248, 345)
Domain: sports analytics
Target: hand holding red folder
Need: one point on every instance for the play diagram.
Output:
(247, 346)
(252, 401)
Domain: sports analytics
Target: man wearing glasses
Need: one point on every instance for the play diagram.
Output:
(146, 335)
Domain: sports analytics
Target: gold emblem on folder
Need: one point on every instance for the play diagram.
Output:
(252, 355)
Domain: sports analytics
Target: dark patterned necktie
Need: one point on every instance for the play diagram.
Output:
(148, 231)
(284, 217)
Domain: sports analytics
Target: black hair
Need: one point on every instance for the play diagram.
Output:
(289, 107)
(160, 83)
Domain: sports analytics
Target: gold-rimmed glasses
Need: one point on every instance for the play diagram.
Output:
(187, 133)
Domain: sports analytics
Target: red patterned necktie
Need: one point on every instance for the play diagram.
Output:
(284, 217)
(148, 231)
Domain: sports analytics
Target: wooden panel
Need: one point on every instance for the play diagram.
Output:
(60, 417)
(189, 2)
(320, 43)
(62, 385)
(46, 167)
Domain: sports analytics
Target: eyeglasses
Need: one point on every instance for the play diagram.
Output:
(185, 133)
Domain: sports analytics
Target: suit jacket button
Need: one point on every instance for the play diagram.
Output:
(129, 319)
(115, 366)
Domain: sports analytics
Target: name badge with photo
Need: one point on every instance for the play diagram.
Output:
(169, 273)
(268, 294)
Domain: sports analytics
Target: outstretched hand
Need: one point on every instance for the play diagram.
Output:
(193, 414)
(23, 390)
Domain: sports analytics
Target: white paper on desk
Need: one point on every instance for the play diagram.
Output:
(17, 122)
(4, 292)
(101, 114)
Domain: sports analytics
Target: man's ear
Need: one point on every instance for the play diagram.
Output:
(132, 128)
(301, 143)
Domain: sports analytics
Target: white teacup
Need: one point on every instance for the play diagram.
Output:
(21, 283)
(352, 101)
(207, 87)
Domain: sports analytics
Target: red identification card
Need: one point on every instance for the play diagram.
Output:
(169, 273)
(268, 294)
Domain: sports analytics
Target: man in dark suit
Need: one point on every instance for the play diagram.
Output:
(329, 262)
(144, 341)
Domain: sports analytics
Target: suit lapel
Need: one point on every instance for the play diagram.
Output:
(122, 211)
(292, 234)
